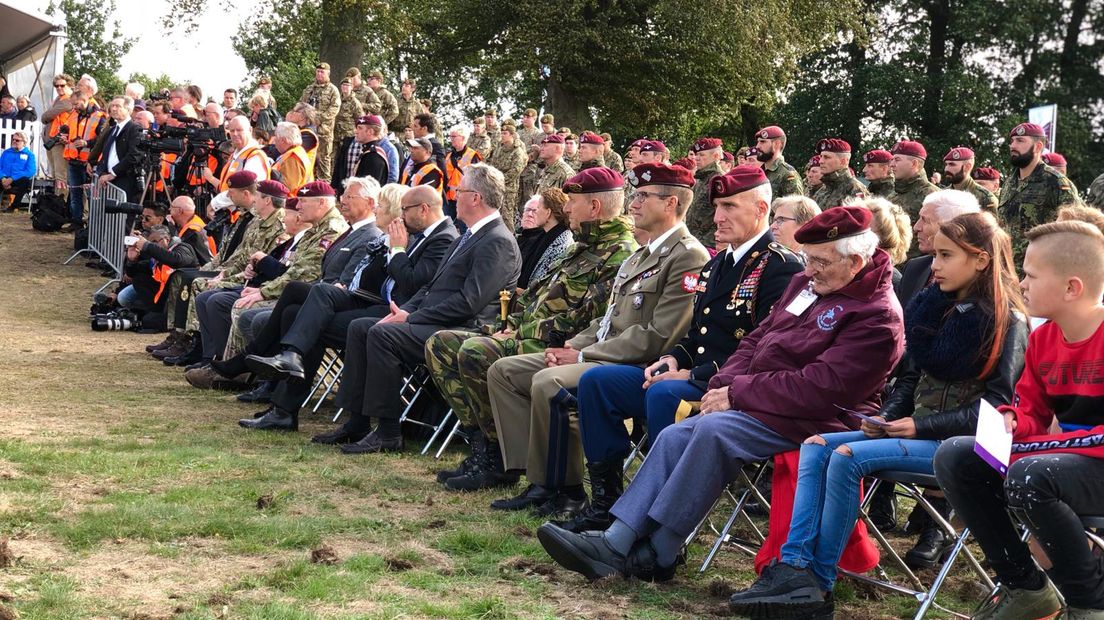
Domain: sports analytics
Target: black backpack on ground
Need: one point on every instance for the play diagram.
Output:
(49, 213)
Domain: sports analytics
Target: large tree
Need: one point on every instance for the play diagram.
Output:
(90, 48)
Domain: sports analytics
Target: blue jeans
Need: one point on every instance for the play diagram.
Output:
(78, 177)
(127, 297)
(826, 502)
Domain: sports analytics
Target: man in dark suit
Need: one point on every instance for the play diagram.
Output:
(361, 155)
(394, 268)
(463, 293)
(120, 157)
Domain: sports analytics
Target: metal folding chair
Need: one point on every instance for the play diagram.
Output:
(327, 379)
(415, 385)
(912, 485)
(739, 493)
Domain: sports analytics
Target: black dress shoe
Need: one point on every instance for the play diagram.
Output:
(932, 548)
(339, 436)
(260, 394)
(586, 553)
(280, 366)
(533, 495)
(200, 364)
(562, 507)
(275, 420)
(230, 368)
(373, 443)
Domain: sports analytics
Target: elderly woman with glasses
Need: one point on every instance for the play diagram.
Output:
(788, 214)
(17, 171)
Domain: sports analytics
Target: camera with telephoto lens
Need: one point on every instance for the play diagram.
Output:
(126, 208)
(117, 321)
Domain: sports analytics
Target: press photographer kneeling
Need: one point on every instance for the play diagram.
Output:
(149, 261)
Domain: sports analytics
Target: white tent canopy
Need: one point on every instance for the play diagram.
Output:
(32, 50)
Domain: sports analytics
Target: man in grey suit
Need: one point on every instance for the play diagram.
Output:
(395, 267)
(462, 294)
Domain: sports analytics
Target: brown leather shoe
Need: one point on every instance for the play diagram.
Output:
(203, 378)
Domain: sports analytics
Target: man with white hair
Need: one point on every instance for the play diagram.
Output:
(119, 157)
(87, 85)
(939, 207)
(247, 155)
(136, 91)
(459, 158)
(293, 164)
(825, 351)
(190, 228)
(707, 152)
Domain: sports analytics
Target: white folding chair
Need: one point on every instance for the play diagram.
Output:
(416, 384)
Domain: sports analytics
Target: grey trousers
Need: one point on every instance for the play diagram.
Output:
(688, 467)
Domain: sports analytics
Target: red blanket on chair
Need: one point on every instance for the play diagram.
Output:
(859, 556)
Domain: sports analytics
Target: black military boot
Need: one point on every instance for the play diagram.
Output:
(169, 341)
(883, 508)
(606, 486)
(489, 471)
(190, 356)
(477, 444)
(934, 543)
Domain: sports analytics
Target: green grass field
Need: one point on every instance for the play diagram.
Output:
(125, 493)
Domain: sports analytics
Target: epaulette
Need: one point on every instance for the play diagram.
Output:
(783, 251)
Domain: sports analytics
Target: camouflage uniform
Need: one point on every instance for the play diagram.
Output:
(835, 187)
(529, 135)
(527, 182)
(986, 199)
(573, 161)
(481, 143)
(327, 100)
(699, 217)
(783, 178)
(614, 161)
(909, 194)
(1027, 203)
(510, 161)
(1095, 196)
(555, 175)
(407, 110)
(389, 107)
(368, 99)
(345, 125)
(883, 188)
(552, 310)
(594, 163)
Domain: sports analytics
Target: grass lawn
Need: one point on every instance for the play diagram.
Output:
(125, 493)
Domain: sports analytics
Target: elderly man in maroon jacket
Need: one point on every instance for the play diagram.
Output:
(828, 346)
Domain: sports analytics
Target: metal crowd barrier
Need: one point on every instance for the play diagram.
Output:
(105, 230)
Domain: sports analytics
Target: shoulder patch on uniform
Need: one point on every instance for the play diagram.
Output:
(689, 282)
(325, 243)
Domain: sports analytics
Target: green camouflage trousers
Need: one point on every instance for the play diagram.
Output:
(458, 362)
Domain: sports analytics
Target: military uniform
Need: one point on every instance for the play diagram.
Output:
(327, 100)
(909, 194)
(1095, 196)
(345, 125)
(510, 161)
(614, 161)
(835, 187)
(550, 311)
(554, 175)
(573, 161)
(699, 218)
(481, 143)
(649, 310)
(784, 179)
(527, 182)
(882, 188)
(529, 135)
(1027, 203)
(731, 299)
(407, 110)
(986, 199)
(389, 107)
(368, 99)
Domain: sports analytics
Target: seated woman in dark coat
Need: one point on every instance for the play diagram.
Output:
(544, 236)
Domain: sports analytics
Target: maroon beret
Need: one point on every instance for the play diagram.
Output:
(752, 151)
(877, 156)
(771, 132)
(639, 142)
(1054, 159)
(315, 189)
(653, 146)
(553, 138)
(910, 148)
(370, 119)
(292, 203)
(832, 224)
(832, 145)
(1027, 129)
(739, 179)
(660, 174)
(240, 179)
(959, 153)
(704, 144)
(685, 162)
(272, 188)
(589, 137)
(729, 157)
(813, 161)
(593, 180)
(986, 174)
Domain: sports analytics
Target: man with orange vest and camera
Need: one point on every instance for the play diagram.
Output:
(85, 124)
(457, 160)
(149, 263)
(247, 155)
(191, 229)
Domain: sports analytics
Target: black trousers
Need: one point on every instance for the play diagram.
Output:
(1046, 493)
(19, 189)
(376, 357)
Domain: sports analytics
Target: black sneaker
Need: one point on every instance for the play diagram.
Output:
(782, 591)
(932, 548)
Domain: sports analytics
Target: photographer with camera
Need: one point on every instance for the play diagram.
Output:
(119, 158)
(149, 263)
(85, 124)
(247, 156)
(190, 228)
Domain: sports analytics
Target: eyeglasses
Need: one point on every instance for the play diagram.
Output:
(420, 204)
(643, 195)
(14, 140)
(782, 219)
(62, 85)
(820, 264)
(466, 191)
(147, 218)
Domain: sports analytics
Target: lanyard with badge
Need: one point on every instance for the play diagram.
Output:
(801, 303)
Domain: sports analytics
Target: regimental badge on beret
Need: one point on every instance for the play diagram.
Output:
(573, 188)
(631, 178)
(956, 154)
(833, 232)
(647, 176)
(1020, 130)
(763, 134)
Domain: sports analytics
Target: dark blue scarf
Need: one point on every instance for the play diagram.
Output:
(944, 337)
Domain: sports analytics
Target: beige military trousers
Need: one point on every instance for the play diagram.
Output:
(522, 389)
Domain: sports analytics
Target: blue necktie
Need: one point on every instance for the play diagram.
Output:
(463, 239)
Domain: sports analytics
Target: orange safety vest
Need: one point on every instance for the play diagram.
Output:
(197, 225)
(416, 178)
(238, 163)
(312, 153)
(234, 215)
(82, 128)
(61, 120)
(195, 177)
(161, 274)
(304, 158)
(454, 172)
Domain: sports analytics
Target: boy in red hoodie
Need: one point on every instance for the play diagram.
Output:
(1053, 477)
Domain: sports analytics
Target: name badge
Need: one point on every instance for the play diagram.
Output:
(801, 303)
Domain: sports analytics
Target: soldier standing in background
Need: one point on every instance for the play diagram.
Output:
(555, 171)
(510, 158)
(389, 107)
(836, 182)
(958, 164)
(367, 98)
(571, 151)
(324, 97)
(490, 120)
(351, 110)
(784, 179)
(612, 157)
(591, 149)
(528, 133)
(479, 140)
(910, 180)
(409, 107)
(878, 175)
(699, 219)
